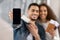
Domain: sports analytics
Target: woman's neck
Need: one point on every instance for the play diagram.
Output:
(43, 20)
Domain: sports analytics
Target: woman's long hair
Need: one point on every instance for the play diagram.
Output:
(50, 14)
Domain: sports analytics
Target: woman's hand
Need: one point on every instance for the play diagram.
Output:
(52, 32)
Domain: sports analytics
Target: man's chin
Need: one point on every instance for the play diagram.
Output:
(33, 19)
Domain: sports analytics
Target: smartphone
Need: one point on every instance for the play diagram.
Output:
(16, 16)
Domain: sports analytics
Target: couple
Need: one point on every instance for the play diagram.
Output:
(38, 15)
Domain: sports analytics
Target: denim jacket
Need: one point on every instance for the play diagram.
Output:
(22, 32)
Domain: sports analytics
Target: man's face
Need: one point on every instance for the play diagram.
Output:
(33, 12)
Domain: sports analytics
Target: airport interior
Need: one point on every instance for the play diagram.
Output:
(7, 5)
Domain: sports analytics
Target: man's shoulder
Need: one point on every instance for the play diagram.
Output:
(21, 25)
(22, 21)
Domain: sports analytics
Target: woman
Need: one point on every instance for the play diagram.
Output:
(46, 14)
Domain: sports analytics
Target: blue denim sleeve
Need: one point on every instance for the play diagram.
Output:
(21, 32)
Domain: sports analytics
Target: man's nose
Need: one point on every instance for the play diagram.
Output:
(35, 12)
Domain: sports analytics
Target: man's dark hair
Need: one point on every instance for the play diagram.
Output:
(33, 4)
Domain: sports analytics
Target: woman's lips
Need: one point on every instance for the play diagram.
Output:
(42, 16)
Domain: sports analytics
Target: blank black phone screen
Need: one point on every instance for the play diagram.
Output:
(16, 15)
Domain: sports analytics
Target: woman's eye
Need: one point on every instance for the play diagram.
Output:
(45, 10)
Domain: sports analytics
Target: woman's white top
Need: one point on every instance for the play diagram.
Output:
(45, 25)
(48, 36)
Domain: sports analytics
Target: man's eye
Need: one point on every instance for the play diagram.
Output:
(33, 10)
(37, 11)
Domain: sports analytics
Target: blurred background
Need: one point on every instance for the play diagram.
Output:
(7, 5)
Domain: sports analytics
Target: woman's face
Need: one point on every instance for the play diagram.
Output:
(43, 12)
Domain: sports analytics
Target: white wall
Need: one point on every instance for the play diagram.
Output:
(54, 4)
(5, 6)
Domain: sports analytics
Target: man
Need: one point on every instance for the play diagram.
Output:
(33, 28)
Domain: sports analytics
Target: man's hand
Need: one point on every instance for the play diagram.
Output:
(11, 15)
(34, 31)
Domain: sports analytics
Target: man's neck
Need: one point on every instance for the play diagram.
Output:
(33, 21)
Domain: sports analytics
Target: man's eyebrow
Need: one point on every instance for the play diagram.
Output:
(34, 9)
